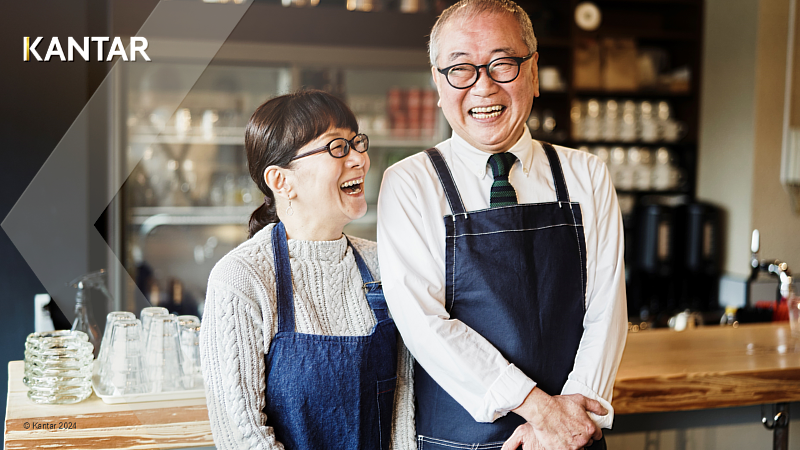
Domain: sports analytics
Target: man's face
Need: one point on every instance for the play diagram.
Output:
(480, 40)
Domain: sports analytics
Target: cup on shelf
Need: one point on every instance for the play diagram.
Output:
(124, 371)
(163, 359)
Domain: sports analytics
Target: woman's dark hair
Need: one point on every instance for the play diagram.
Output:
(278, 129)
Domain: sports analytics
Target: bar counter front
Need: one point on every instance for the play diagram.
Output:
(661, 371)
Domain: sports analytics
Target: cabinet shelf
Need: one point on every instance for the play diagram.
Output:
(151, 217)
(638, 94)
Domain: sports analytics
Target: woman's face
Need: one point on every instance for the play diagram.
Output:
(319, 181)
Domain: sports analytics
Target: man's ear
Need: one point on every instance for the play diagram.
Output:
(535, 73)
(435, 72)
(277, 181)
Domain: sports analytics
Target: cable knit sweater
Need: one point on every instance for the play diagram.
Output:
(240, 319)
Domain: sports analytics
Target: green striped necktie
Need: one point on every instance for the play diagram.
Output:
(502, 193)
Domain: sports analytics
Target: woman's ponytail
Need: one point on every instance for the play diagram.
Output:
(263, 215)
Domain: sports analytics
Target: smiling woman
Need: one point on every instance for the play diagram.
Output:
(298, 350)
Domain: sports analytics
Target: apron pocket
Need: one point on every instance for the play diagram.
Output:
(429, 443)
(385, 409)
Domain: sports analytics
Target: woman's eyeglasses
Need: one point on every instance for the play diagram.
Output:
(340, 147)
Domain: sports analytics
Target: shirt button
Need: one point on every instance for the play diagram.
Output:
(525, 171)
(479, 173)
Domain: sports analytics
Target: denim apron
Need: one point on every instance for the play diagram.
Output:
(329, 392)
(517, 276)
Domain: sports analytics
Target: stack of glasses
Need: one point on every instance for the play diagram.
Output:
(58, 366)
(158, 353)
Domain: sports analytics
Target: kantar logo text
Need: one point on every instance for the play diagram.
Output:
(84, 49)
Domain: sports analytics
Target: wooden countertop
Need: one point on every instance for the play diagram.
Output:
(97, 425)
(661, 370)
(709, 367)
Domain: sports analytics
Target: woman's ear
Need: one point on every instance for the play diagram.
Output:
(276, 179)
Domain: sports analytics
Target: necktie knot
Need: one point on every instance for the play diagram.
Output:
(501, 164)
(502, 193)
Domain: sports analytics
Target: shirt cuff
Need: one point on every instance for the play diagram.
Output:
(507, 392)
(575, 387)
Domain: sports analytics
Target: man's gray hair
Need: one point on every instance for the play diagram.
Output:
(467, 9)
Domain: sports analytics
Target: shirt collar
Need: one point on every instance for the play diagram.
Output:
(478, 161)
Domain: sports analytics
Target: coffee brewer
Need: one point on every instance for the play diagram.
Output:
(675, 261)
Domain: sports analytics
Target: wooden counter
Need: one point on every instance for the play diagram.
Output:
(710, 367)
(661, 370)
(147, 425)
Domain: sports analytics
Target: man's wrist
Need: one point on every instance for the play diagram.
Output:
(532, 408)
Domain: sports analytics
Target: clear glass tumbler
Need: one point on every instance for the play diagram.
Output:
(190, 346)
(125, 371)
(146, 317)
(163, 358)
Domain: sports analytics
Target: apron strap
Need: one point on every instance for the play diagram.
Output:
(446, 178)
(372, 289)
(562, 194)
(283, 279)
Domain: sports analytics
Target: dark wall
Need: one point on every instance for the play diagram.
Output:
(39, 102)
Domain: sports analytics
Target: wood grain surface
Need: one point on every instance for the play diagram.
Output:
(97, 425)
(710, 367)
(661, 370)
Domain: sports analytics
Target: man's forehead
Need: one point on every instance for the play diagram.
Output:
(486, 33)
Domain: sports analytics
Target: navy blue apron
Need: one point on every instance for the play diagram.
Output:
(517, 276)
(329, 392)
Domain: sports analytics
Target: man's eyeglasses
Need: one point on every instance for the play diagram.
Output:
(340, 147)
(501, 70)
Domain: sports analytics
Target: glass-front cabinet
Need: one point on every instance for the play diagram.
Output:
(189, 197)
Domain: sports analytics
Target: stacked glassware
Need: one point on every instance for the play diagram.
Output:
(58, 366)
(154, 354)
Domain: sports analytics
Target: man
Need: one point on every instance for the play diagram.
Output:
(502, 257)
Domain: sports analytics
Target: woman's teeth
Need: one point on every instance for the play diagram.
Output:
(352, 187)
(486, 112)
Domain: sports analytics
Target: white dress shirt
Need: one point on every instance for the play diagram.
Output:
(411, 252)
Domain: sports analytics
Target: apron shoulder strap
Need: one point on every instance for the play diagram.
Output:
(372, 288)
(283, 279)
(446, 178)
(562, 194)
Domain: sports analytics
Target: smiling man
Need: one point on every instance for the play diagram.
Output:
(502, 256)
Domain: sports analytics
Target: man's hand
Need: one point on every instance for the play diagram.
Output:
(556, 423)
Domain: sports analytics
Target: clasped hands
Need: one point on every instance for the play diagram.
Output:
(559, 422)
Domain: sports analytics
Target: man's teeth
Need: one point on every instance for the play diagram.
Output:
(352, 183)
(486, 112)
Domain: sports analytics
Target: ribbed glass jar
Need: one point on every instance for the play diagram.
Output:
(58, 366)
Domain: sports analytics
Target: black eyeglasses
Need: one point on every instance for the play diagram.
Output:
(340, 147)
(501, 70)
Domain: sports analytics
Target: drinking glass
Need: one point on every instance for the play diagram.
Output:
(125, 371)
(794, 315)
(146, 317)
(105, 344)
(163, 359)
(190, 346)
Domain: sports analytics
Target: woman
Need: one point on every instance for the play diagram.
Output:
(294, 354)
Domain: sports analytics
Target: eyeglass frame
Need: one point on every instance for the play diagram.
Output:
(327, 148)
(517, 59)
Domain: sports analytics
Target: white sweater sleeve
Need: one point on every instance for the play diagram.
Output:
(403, 426)
(232, 353)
